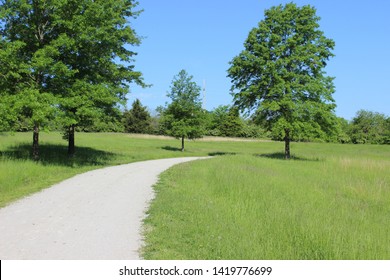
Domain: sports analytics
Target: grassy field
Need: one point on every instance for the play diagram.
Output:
(330, 202)
(20, 176)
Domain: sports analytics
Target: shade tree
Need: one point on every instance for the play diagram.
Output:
(281, 74)
(65, 59)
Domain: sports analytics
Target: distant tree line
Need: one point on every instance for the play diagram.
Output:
(366, 127)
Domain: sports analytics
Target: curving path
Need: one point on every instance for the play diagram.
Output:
(95, 215)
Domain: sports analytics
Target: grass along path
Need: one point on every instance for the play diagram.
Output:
(20, 176)
(251, 207)
(331, 202)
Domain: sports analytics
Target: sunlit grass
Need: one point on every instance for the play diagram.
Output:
(330, 202)
(250, 207)
(20, 176)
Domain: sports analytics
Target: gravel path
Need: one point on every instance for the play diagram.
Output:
(95, 215)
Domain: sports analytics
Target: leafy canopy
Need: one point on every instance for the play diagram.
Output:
(226, 121)
(98, 36)
(184, 116)
(27, 61)
(66, 59)
(370, 127)
(280, 73)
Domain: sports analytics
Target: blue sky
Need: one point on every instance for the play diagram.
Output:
(202, 36)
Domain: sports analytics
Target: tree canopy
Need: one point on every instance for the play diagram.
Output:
(370, 127)
(184, 116)
(67, 59)
(226, 121)
(280, 73)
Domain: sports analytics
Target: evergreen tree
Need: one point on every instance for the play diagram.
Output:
(137, 119)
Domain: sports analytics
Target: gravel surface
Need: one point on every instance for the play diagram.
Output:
(92, 216)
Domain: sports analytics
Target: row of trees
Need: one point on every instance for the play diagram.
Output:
(185, 118)
(366, 127)
(68, 64)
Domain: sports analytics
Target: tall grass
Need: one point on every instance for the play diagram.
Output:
(328, 204)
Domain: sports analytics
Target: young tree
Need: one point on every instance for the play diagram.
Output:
(184, 117)
(281, 73)
(137, 119)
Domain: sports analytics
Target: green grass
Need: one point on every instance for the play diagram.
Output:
(331, 203)
(20, 176)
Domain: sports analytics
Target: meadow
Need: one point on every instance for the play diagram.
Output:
(331, 201)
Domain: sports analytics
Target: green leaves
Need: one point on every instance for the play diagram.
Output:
(184, 117)
(137, 119)
(280, 73)
(65, 59)
(370, 127)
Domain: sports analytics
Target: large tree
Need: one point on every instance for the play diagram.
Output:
(69, 56)
(184, 116)
(28, 47)
(99, 34)
(280, 73)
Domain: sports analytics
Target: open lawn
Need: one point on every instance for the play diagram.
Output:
(330, 201)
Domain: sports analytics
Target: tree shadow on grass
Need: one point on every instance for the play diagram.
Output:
(221, 154)
(50, 154)
(169, 148)
(281, 156)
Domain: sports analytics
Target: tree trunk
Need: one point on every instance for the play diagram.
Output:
(35, 147)
(287, 144)
(182, 143)
(71, 146)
